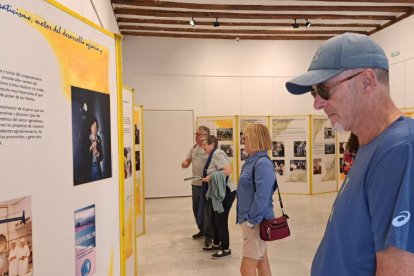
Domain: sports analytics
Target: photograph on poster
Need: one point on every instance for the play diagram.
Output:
(16, 251)
(225, 134)
(342, 146)
(136, 135)
(137, 161)
(91, 135)
(243, 154)
(127, 162)
(341, 165)
(279, 166)
(227, 149)
(299, 148)
(330, 148)
(317, 166)
(241, 138)
(85, 241)
(278, 149)
(297, 165)
(329, 133)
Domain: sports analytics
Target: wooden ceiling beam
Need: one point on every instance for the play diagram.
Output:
(234, 37)
(408, 14)
(369, 1)
(197, 6)
(198, 14)
(238, 24)
(235, 31)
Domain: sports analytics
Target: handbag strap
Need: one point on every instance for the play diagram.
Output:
(275, 187)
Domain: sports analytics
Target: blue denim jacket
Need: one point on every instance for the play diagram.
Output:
(256, 206)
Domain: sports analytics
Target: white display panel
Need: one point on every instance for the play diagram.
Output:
(323, 155)
(290, 138)
(128, 182)
(57, 75)
(243, 121)
(225, 129)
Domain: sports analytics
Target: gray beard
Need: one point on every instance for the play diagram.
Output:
(338, 127)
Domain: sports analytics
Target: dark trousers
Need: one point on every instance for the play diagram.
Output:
(208, 221)
(221, 221)
(196, 194)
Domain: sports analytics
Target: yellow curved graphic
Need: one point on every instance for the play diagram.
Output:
(82, 63)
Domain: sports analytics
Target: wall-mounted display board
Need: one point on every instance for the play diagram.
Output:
(139, 186)
(127, 184)
(16, 235)
(59, 132)
(323, 153)
(242, 122)
(408, 111)
(290, 152)
(342, 139)
(225, 129)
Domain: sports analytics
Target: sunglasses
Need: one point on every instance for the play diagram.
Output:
(323, 90)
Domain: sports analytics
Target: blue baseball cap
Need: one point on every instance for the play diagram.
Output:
(337, 54)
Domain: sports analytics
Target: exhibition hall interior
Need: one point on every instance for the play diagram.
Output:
(100, 107)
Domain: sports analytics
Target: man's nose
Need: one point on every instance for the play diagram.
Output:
(319, 103)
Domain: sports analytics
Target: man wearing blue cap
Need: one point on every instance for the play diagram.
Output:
(370, 230)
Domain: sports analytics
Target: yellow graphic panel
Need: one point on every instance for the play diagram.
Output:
(82, 62)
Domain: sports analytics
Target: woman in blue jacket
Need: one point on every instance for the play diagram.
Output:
(254, 199)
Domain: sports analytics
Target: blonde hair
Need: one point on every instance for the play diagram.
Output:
(258, 136)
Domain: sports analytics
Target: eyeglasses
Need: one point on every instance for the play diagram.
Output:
(323, 90)
(199, 134)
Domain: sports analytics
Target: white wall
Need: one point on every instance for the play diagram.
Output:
(217, 77)
(98, 11)
(222, 77)
(399, 37)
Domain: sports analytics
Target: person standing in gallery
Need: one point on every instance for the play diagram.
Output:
(257, 184)
(13, 261)
(95, 150)
(23, 256)
(370, 230)
(221, 193)
(351, 150)
(197, 157)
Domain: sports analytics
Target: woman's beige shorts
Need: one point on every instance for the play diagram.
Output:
(253, 246)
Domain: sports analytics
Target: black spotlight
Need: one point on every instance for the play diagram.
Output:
(308, 24)
(295, 25)
(217, 23)
(193, 22)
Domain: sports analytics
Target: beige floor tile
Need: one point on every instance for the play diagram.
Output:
(167, 248)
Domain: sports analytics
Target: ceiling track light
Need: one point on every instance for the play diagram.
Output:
(295, 25)
(308, 23)
(217, 23)
(193, 22)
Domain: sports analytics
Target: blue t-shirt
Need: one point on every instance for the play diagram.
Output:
(373, 208)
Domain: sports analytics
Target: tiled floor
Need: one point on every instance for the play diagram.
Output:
(167, 248)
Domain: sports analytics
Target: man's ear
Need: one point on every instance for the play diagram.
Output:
(369, 79)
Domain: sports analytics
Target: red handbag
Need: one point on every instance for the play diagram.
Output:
(275, 228)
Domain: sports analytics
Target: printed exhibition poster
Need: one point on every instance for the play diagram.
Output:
(224, 128)
(290, 152)
(128, 181)
(139, 177)
(59, 125)
(16, 237)
(342, 138)
(243, 121)
(85, 241)
(323, 155)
